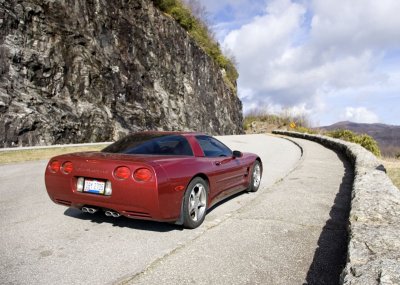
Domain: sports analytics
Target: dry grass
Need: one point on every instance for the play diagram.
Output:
(43, 153)
(392, 166)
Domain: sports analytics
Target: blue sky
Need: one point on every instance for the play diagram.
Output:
(331, 60)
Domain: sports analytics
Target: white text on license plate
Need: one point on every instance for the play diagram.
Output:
(94, 186)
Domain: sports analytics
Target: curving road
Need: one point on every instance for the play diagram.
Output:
(291, 231)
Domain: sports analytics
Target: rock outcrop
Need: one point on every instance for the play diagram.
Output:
(374, 224)
(75, 71)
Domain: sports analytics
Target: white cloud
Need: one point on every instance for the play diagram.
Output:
(261, 48)
(350, 26)
(298, 53)
(360, 115)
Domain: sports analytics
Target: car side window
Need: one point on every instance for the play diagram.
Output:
(212, 147)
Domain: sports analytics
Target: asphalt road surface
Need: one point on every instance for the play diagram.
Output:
(292, 231)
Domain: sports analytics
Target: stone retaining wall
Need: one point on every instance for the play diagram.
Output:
(373, 255)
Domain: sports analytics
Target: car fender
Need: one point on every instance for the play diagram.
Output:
(201, 175)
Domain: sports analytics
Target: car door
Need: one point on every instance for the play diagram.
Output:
(227, 172)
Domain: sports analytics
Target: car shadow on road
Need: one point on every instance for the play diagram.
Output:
(330, 256)
(123, 222)
(144, 225)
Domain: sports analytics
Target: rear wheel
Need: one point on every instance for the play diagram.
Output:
(195, 203)
(255, 179)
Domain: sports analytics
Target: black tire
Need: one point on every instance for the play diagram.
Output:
(195, 203)
(255, 178)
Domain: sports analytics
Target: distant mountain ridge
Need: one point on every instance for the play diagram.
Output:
(387, 136)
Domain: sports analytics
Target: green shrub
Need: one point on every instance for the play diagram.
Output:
(369, 143)
(364, 140)
(199, 31)
(342, 134)
(183, 17)
(165, 5)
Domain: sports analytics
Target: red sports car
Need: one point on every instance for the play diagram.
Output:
(161, 176)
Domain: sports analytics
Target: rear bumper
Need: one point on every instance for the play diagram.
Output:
(127, 199)
(127, 211)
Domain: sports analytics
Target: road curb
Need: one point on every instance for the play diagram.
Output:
(374, 223)
(302, 153)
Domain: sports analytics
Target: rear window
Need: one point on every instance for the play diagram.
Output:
(154, 144)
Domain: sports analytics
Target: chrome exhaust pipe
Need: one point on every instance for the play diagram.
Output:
(112, 214)
(115, 214)
(92, 210)
(89, 210)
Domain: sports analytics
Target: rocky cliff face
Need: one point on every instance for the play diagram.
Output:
(92, 70)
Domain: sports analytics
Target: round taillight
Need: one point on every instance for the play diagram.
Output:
(55, 166)
(142, 174)
(122, 172)
(67, 167)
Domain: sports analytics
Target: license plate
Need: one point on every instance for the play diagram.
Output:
(94, 186)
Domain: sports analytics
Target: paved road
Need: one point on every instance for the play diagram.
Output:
(270, 237)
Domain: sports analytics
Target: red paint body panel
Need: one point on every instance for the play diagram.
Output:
(160, 198)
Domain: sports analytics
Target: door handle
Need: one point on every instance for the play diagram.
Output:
(218, 163)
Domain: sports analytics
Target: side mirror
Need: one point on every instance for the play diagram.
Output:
(237, 154)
